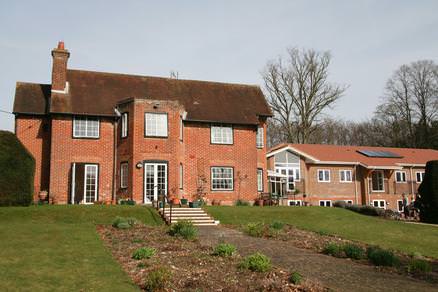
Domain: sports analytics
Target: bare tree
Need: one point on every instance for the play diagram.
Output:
(298, 92)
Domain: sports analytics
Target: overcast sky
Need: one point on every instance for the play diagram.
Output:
(228, 41)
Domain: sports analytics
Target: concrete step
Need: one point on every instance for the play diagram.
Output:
(196, 215)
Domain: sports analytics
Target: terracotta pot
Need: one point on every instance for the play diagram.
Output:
(259, 202)
(175, 201)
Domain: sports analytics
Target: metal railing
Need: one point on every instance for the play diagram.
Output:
(164, 199)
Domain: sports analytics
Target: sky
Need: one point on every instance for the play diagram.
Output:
(227, 41)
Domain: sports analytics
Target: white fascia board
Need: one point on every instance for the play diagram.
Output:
(285, 148)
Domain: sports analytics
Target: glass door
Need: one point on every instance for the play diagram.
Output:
(91, 183)
(155, 181)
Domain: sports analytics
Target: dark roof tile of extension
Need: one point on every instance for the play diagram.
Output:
(97, 93)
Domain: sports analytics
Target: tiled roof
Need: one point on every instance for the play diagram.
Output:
(321, 153)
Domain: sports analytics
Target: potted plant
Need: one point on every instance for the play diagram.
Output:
(42, 196)
(176, 201)
(194, 204)
(53, 199)
(184, 201)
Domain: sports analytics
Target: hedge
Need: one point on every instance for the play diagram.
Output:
(17, 169)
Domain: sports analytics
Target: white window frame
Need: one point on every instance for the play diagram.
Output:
(326, 203)
(88, 121)
(402, 207)
(349, 202)
(345, 171)
(124, 126)
(421, 173)
(96, 183)
(259, 179)
(298, 203)
(152, 126)
(221, 140)
(324, 178)
(181, 129)
(379, 204)
(124, 175)
(402, 175)
(383, 180)
(181, 176)
(219, 178)
(260, 142)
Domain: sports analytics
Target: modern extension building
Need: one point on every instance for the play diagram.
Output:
(103, 136)
(322, 174)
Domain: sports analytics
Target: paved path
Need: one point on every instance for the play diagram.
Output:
(337, 274)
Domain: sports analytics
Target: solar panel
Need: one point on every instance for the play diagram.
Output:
(379, 154)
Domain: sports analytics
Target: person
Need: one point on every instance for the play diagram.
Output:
(405, 206)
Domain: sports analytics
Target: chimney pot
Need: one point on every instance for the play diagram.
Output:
(61, 45)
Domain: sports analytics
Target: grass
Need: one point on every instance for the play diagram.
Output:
(58, 248)
(408, 238)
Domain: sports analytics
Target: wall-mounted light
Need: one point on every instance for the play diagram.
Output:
(139, 165)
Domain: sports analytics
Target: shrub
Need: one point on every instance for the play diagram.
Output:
(365, 210)
(381, 257)
(256, 262)
(127, 202)
(157, 279)
(339, 204)
(224, 250)
(184, 229)
(419, 266)
(295, 278)
(428, 200)
(124, 223)
(353, 251)
(17, 169)
(242, 203)
(333, 249)
(254, 229)
(144, 253)
(277, 225)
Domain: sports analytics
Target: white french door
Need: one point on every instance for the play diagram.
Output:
(90, 183)
(155, 181)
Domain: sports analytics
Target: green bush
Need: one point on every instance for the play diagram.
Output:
(144, 253)
(124, 223)
(256, 262)
(242, 203)
(295, 278)
(333, 249)
(419, 266)
(339, 204)
(157, 280)
(17, 169)
(428, 200)
(254, 229)
(224, 250)
(277, 225)
(184, 229)
(382, 257)
(353, 251)
(127, 202)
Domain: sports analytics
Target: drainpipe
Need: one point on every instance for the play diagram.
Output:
(412, 180)
(114, 187)
(355, 184)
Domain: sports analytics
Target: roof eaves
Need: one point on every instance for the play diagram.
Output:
(288, 147)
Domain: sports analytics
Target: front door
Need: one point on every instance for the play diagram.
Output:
(84, 183)
(155, 181)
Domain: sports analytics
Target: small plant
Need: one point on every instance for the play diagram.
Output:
(224, 250)
(381, 257)
(254, 229)
(124, 223)
(277, 225)
(256, 262)
(137, 240)
(184, 229)
(333, 249)
(144, 253)
(353, 251)
(295, 278)
(157, 279)
(241, 203)
(127, 202)
(418, 266)
(142, 265)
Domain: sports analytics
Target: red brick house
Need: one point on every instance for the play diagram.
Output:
(103, 136)
(323, 174)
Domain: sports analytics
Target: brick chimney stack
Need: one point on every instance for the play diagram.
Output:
(59, 68)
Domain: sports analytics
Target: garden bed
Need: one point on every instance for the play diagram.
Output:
(188, 265)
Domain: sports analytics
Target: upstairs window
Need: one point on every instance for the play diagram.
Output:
(323, 175)
(345, 176)
(155, 125)
(400, 176)
(124, 175)
(85, 127)
(221, 134)
(124, 127)
(259, 138)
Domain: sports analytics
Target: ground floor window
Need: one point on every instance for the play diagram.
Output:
(292, 173)
(325, 203)
(124, 175)
(420, 176)
(294, 203)
(400, 207)
(349, 202)
(222, 178)
(379, 204)
(260, 180)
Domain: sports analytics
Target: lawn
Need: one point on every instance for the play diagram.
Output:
(58, 248)
(395, 235)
